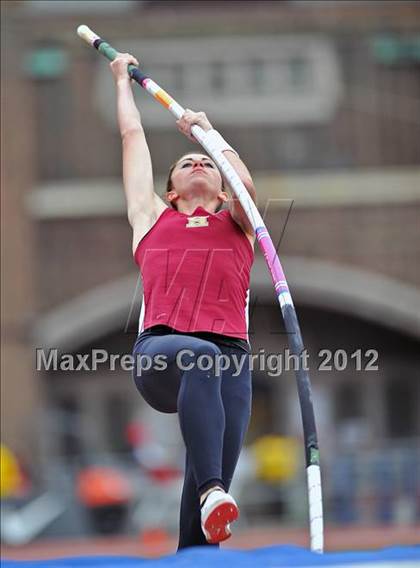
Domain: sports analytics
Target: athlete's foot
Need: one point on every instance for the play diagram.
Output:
(217, 512)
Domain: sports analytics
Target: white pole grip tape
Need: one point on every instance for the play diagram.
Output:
(315, 508)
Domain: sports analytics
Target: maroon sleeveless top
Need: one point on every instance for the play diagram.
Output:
(195, 271)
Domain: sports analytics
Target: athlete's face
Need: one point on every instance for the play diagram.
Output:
(196, 174)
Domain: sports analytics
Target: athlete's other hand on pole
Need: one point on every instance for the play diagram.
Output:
(120, 65)
(188, 119)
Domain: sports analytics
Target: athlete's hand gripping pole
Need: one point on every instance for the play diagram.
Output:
(277, 274)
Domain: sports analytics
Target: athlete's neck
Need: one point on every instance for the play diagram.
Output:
(188, 207)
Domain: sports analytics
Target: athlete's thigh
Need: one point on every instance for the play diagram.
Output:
(159, 362)
(156, 375)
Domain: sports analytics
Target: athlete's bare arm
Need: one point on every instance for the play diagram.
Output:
(143, 205)
(235, 207)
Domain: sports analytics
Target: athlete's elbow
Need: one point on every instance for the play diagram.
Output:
(131, 131)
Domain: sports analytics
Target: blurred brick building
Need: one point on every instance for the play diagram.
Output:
(322, 103)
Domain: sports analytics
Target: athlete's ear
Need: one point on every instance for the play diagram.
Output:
(171, 196)
(223, 196)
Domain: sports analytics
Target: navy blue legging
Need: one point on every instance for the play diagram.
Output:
(213, 409)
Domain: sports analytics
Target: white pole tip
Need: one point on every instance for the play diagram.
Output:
(86, 33)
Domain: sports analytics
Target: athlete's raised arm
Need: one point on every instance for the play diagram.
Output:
(143, 204)
(236, 210)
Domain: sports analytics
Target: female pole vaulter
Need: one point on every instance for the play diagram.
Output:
(195, 261)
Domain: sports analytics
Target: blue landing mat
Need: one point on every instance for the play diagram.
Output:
(268, 557)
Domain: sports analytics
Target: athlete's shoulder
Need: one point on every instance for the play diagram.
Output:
(224, 213)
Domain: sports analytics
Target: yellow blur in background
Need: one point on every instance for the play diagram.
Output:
(276, 458)
(11, 478)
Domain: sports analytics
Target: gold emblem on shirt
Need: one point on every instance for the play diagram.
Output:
(198, 221)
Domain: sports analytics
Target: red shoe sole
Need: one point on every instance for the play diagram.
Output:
(216, 523)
